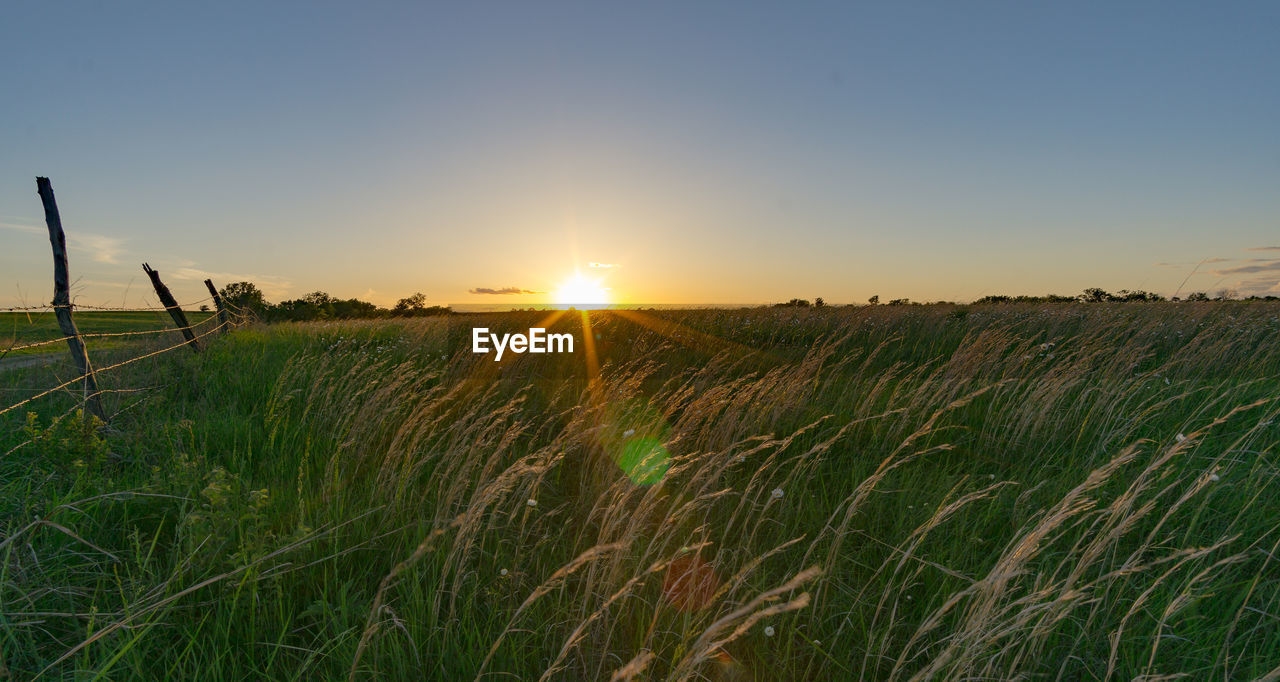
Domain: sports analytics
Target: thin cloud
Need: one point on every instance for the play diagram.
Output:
(1268, 266)
(602, 265)
(271, 285)
(24, 228)
(1263, 248)
(503, 291)
(100, 247)
(1265, 286)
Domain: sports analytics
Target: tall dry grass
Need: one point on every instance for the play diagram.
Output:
(877, 493)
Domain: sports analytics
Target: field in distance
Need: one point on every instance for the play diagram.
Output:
(21, 328)
(1073, 491)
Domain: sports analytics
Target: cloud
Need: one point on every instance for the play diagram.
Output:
(602, 265)
(1263, 248)
(1218, 260)
(1246, 269)
(24, 228)
(1260, 266)
(271, 285)
(503, 291)
(100, 247)
(1264, 286)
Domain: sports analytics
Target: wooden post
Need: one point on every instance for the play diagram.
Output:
(62, 298)
(171, 304)
(217, 302)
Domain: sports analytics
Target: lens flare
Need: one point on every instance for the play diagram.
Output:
(644, 460)
(690, 583)
(635, 440)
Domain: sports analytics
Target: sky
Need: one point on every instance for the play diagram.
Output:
(708, 152)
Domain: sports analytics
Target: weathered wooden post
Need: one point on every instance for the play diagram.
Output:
(217, 303)
(62, 298)
(171, 304)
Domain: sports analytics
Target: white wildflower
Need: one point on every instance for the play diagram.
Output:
(502, 572)
(1215, 478)
(628, 433)
(1180, 438)
(777, 493)
(532, 502)
(769, 631)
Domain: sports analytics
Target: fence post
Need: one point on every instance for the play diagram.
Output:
(171, 304)
(217, 302)
(62, 298)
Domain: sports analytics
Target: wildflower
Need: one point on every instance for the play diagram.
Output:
(532, 502)
(1214, 477)
(628, 433)
(769, 631)
(991, 477)
(502, 572)
(1180, 438)
(777, 493)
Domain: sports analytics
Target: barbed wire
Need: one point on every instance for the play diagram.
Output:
(85, 306)
(37, 344)
(98, 335)
(108, 368)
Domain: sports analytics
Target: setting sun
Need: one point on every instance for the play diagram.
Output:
(581, 292)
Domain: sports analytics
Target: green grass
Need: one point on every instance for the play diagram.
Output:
(1064, 491)
(19, 329)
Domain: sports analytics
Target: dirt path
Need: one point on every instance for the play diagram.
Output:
(29, 361)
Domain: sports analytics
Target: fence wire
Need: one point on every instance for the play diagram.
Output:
(100, 335)
(114, 366)
(101, 308)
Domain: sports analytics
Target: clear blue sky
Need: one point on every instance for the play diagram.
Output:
(713, 152)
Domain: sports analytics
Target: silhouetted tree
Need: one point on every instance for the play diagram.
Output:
(411, 305)
(1197, 296)
(874, 300)
(818, 302)
(245, 295)
(1096, 295)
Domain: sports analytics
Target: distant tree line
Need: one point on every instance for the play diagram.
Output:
(1090, 295)
(318, 305)
(1098, 295)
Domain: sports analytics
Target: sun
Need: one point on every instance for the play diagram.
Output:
(581, 292)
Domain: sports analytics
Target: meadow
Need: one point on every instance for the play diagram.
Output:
(1062, 491)
(25, 328)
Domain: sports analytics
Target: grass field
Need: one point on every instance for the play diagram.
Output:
(19, 329)
(910, 492)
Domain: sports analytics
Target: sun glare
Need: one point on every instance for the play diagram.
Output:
(581, 292)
